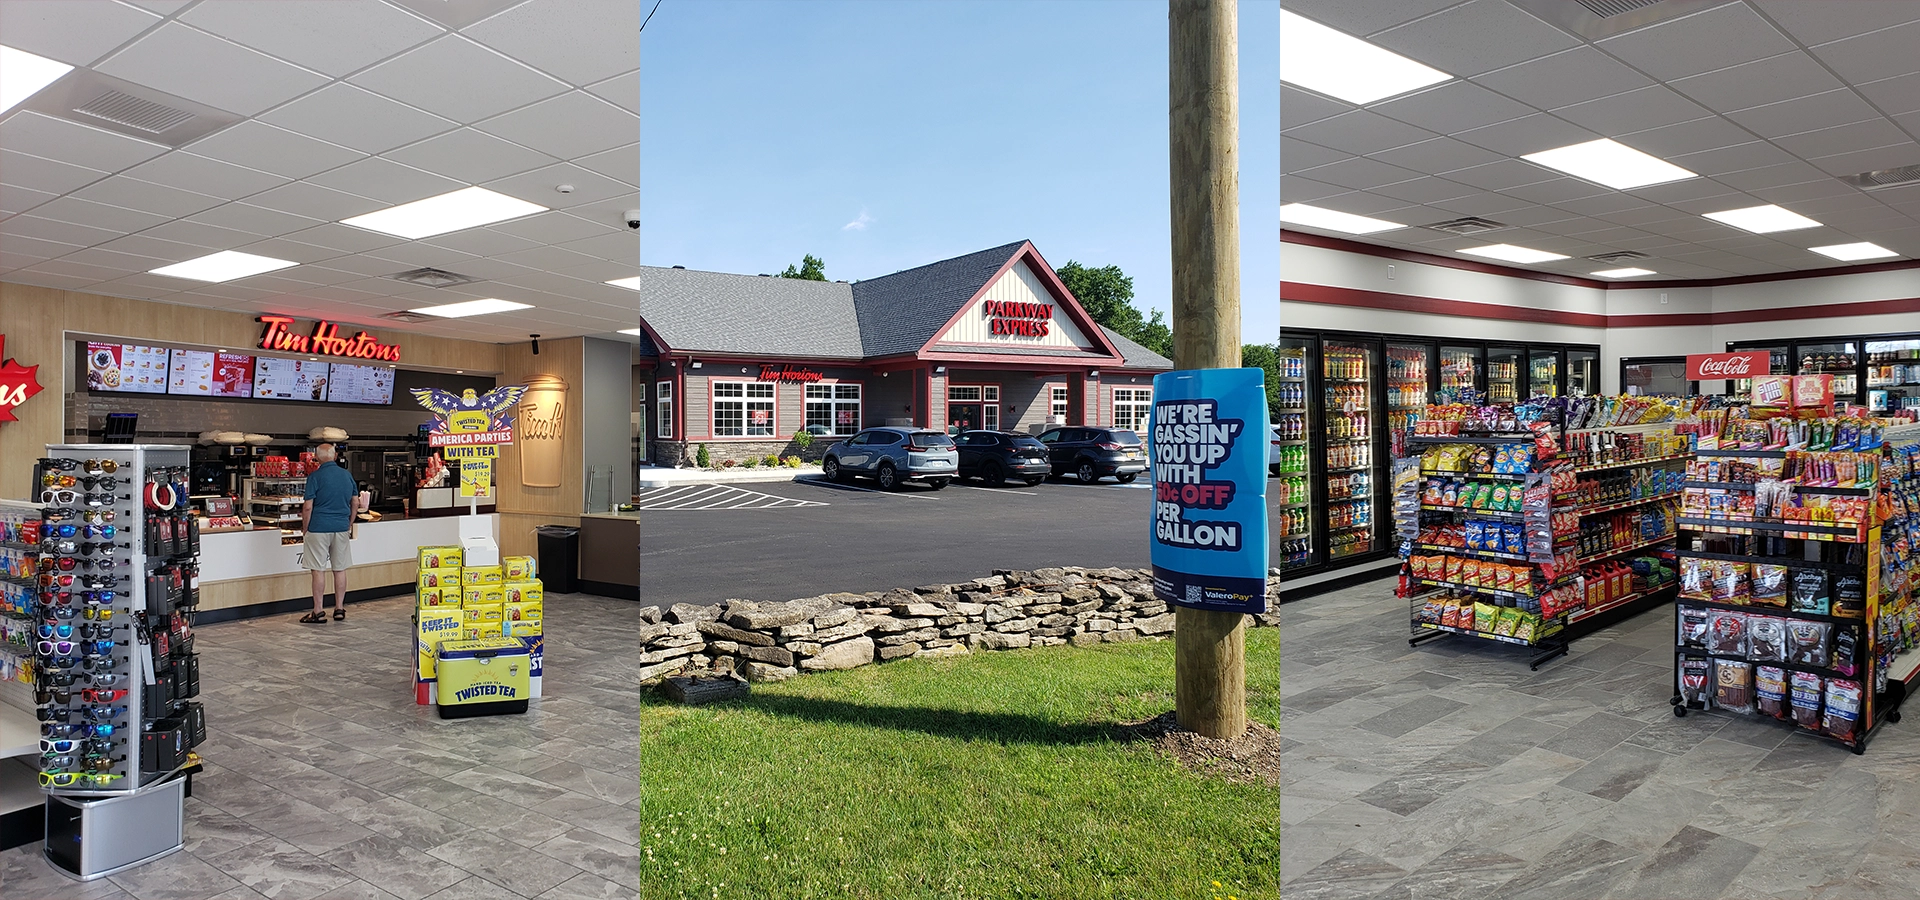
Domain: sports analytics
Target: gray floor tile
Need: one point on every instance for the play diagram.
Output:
(279, 870)
(1617, 772)
(1410, 715)
(1695, 863)
(1464, 872)
(498, 860)
(588, 887)
(1582, 867)
(181, 876)
(1350, 874)
(1594, 735)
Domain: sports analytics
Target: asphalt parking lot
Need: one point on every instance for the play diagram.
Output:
(864, 539)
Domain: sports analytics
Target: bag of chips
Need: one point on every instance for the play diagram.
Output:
(1485, 615)
(1767, 639)
(1508, 620)
(1769, 586)
(1727, 633)
(1842, 718)
(1804, 691)
(1770, 691)
(1808, 592)
(1807, 643)
(1733, 685)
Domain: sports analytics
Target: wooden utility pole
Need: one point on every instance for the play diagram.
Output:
(1210, 650)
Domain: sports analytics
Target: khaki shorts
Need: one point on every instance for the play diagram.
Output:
(326, 550)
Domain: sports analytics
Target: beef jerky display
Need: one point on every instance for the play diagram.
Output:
(1780, 560)
(1896, 650)
(118, 565)
(1521, 530)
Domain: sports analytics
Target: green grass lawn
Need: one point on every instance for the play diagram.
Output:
(991, 775)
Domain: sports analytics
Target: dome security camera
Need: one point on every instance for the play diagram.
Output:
(633, 219)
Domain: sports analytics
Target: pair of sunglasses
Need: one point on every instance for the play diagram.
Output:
(103, 482)
(98, 611)
(69, 779)
(56, 631)
(61, 729)
(59, 746)
(57, 648)
(57, 480)
(102, 713)
(51, 532)
(100, 531)
(59, 463)
(107, 466)
(103, 695)
(60, 609)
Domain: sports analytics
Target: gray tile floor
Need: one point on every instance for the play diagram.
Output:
(324, 780)
(1450, 771)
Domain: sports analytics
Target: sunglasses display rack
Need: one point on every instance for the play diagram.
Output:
(116, 672)
(21, 816)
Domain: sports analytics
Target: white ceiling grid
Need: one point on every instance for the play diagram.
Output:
(349, 106)
(1768, 100)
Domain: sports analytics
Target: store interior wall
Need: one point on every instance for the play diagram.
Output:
(606, 407)
(522, 508)
(38, 322)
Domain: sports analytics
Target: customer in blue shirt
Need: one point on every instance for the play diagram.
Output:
(328, 522)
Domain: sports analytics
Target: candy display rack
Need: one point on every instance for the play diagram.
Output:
(117, 590)
(1779, 608)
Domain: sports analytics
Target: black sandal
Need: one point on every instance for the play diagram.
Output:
(314, 618)
(339, 614)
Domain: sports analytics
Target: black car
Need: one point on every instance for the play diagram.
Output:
(1089, 453)
(995, 456)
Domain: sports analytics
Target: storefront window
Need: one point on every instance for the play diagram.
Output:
(1130, 407)
(990, 408)
(663, 409)
(743, 409)
(835, 407)
(963, 393)
(1059, 406)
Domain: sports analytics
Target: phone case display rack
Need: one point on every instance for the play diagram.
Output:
(1780, 601)
(116, 591)
(1503, 546)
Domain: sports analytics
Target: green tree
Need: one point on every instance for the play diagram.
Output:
(1106, 294)
(1265, 356)
(812, 268)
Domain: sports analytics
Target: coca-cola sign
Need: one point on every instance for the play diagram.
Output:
(1716, 366)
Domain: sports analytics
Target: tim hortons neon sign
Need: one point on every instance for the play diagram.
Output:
(788, 373)
(1024, 319)
(325, 340)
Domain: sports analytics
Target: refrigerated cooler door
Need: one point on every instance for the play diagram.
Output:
(1349, 375)
(1893, 374)
(1836, 358)
(1409, 371)
(1583, 373)
(1459, 371)
(1778, 363)
(1503, 374)
(1295, 484)
(1543, 373)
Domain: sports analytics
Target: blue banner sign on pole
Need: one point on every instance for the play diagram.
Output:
(1209, 453)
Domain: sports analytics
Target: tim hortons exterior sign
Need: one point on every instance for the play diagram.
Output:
(789, 373)
(1023, 319)
(1715, 366)
(325, 340)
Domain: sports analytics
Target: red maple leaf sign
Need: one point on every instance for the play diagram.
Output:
(17, 383)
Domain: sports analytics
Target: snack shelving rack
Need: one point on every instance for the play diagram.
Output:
(1897, 629)
(1809, 621)
(1557, 573)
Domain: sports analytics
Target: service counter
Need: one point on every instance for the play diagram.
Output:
(610, 554)
(242, 569)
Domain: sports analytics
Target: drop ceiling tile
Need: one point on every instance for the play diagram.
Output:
(346, 115)
(260, 146)
(1906, 153)
(30, 226)
(254, 220)
(482, 242)
(199, 234)
(578, 41)
(61, 267)
(1557, 190)
(1439, 155)
(326, 277)
(440, 78)
(1359, 173)
(1475, 37)
(539, 186)
(38, 247)
(1602, 204)
(1488, 205)
(1772, 176)
(1565, 78)
(621, 163)
(571, 125)
(336, 37)
(413, 255)
(98, 215)
(1829, 141)
(1760, 82)
(131, 263)
(292, 251)
(470, 157)
(1295, 155)
(1681, 191)
(1528, 134)
(1702, 42)
(1293, 189)
(1298, 107)
(1804, 114)
(620, 90)
(385, 180)
(1736, 158)
(29, 132)
(155, 248)
(1362, 19)
(1546, 219)
(1452, 107)
(1503, 175)
(619, 248)
(200, 67)
(315, 202)
(543, 259)
(1792, 194)
(1894, 96)
(1873, 56)
(1638, 110)
(42, 279)
(15, 199)
(76, 32)
(1670, 141)
(185, 171)
(1425, 190)
(1910, 122)
(36, 173)
(129, 193)
(1829, 209)
(559, 227)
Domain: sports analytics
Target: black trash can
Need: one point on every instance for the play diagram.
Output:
(559, 558)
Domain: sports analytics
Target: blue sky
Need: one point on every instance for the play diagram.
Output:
(885, 135)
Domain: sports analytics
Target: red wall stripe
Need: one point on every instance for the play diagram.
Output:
(1330, 295)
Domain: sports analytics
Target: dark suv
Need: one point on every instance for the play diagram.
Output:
(1088, 453)
(995, 456)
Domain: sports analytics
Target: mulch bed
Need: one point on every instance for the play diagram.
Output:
(1252, 758)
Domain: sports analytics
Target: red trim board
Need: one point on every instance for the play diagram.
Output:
(1338, 296)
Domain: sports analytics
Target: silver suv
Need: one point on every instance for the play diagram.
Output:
(894, 456)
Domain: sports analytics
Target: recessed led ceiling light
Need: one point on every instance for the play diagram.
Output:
(1624, 273)
(23, 74)
(632, 284)
(1763, 219)
(1511, 253)
(1608, 162)
(464, 208)
(632, 331)
(1319, 58)
(1851, 252)
(223, 266)
(471, 308)
(1332, 220)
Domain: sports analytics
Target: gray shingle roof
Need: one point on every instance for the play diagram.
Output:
(720, 313)
(900, 313)
(1137, 357)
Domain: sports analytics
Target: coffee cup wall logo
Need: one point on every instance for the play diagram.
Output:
(17, 383)
(543, 427)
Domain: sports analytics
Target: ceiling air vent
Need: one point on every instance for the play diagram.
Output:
(1467, 225)
(1621, 256)
(134, 112)
(1884, 178)
(433, 278)
(1597, 19)
(1606, 8)
(405, 316)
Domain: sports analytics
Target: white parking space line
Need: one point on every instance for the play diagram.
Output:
(717, 496)
(1007, 491)
(821, 482)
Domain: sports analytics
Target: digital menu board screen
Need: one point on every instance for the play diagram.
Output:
(348, 383)
(289, 379)
(191, 373)
(232, 375)
(126, 367)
